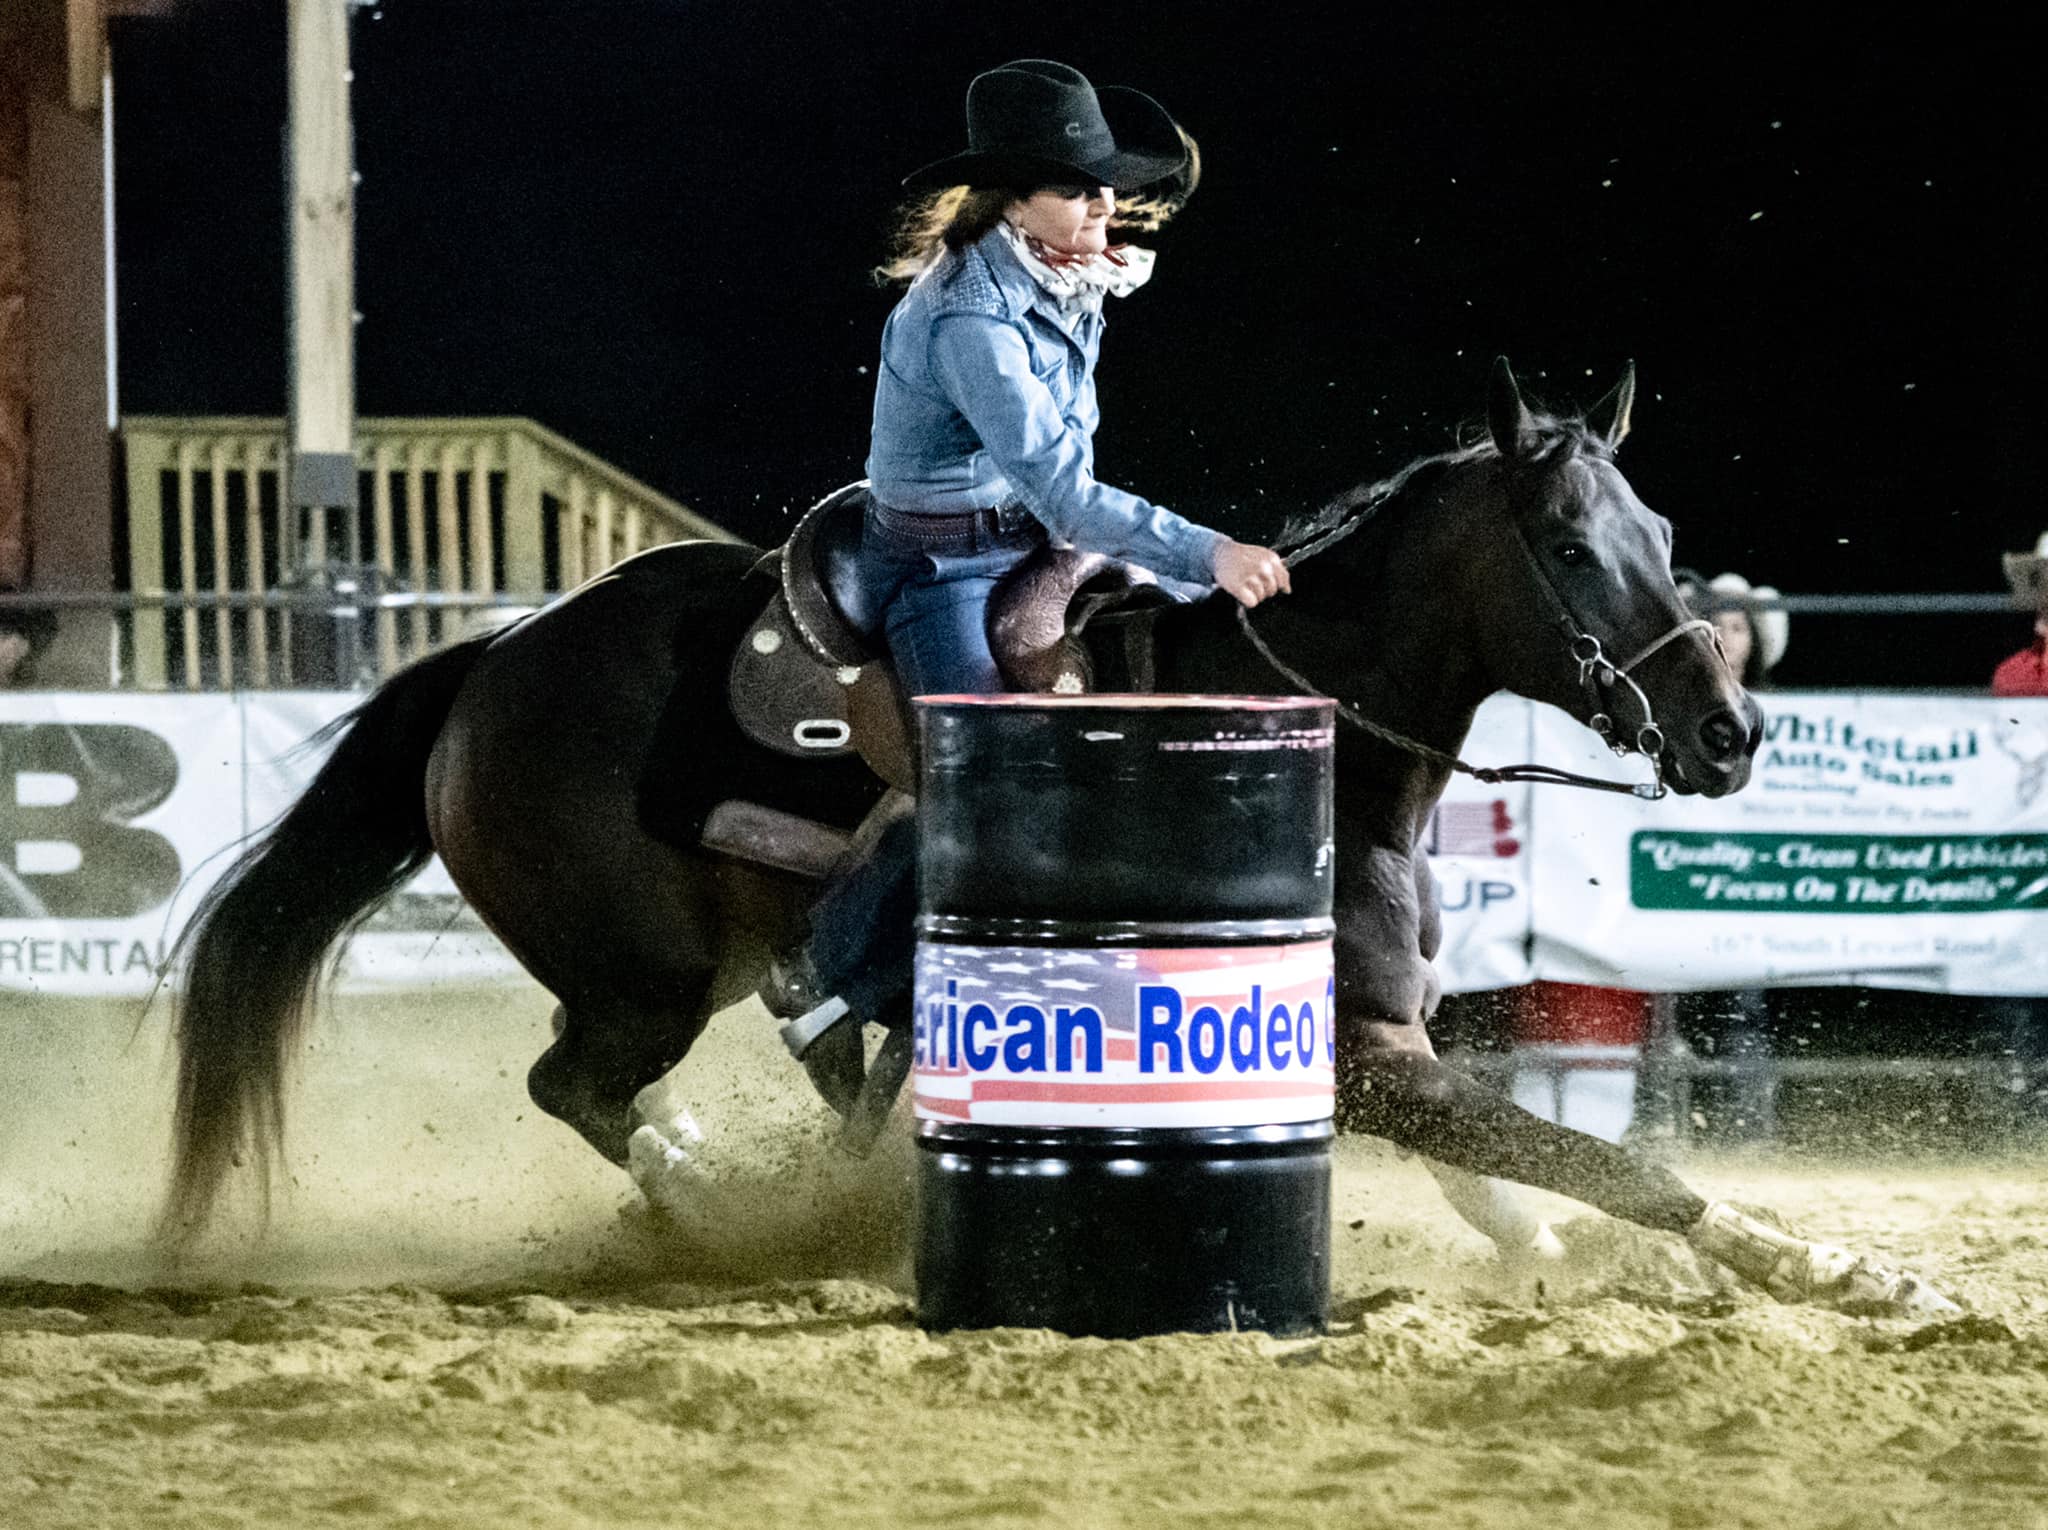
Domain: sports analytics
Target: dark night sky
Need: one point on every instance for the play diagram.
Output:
(647, 223)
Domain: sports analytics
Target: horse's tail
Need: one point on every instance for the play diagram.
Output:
(257, 940)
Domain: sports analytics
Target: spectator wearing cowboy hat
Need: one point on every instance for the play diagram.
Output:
(1737, 1023)
(2026, 672)
(1753, 636)
(2019, 1022)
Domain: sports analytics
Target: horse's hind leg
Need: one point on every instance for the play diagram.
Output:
(607, 1049)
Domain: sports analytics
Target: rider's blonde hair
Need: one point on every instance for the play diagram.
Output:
(956, 217)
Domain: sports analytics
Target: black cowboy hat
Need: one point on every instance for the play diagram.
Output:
(1036, 123)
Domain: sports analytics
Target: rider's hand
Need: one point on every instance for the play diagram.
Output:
(1248, 573)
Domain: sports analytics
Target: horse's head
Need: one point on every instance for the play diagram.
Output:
(1586, 614)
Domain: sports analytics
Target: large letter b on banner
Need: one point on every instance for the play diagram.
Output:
(67, 793)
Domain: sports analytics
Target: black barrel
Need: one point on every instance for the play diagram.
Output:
(1124, 1049)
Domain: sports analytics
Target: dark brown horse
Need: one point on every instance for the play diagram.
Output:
(561, 767)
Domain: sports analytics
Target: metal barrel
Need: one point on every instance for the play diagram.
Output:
(1124, 1058)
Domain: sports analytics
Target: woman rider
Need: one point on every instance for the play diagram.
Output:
(983, 437)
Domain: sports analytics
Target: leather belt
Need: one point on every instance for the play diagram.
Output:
(949, 525)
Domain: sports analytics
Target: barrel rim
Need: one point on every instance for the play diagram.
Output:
(1189, 701)
(952, 929)
(1005, 1140)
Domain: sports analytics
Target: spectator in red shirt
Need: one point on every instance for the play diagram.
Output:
(2019, 1022)
(2026, 672)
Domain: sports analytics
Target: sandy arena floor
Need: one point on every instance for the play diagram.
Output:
(461, 1318)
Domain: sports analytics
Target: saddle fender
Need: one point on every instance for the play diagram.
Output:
(786, 698)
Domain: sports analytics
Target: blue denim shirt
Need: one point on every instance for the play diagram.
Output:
(986, 396)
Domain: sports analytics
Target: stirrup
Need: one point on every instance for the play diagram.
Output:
(802, 1033)
(869, 1096)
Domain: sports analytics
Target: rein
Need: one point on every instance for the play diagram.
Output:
(1542, 775)
(1597, 674)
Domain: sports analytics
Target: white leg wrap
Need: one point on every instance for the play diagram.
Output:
(1499, 1210)
(1794, 1270)
(659, 1160)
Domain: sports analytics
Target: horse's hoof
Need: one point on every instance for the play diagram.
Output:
(1794, 1270)
(1855, 1283)
(1529, 1250)
(661, 1165)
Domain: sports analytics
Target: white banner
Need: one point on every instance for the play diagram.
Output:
(109, 805)
(1478, 844)
(118, 811)
(1891, 841)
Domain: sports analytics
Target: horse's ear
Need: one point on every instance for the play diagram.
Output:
(1608, 419)
(1507, 418)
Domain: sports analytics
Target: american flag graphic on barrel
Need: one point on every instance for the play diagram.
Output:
(1151, 1037)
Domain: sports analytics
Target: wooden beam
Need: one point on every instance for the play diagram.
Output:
(85, 40)
(322, 230)
(17, 388)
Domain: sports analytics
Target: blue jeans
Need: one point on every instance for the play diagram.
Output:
(933, 593)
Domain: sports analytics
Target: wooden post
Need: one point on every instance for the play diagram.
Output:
(607, 504)
(480, 548)
(188, 556)
(16, 386)
(449, 540)
(416, 543)
(321, 465)
(575, 534)
(525, 551)
(223, 574)
(148, 456)
(85, 36)
(382, 536)
(256, 620)
(54, 330)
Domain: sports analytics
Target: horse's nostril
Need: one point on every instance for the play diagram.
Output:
(1722, 735)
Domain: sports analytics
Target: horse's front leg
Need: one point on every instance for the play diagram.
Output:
(1391, 1084)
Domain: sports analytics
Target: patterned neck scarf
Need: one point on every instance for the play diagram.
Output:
(1078, 283)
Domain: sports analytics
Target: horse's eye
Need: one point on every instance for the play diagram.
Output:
(1572, 554)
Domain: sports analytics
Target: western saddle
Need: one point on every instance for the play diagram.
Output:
(810, 677)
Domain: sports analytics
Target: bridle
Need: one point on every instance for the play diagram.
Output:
(1598, 677)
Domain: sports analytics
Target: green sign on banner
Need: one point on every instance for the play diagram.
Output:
(1839, 873)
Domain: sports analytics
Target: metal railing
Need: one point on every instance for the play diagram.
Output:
(477, 512)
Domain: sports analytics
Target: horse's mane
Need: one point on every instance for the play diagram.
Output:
(1555, 437)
